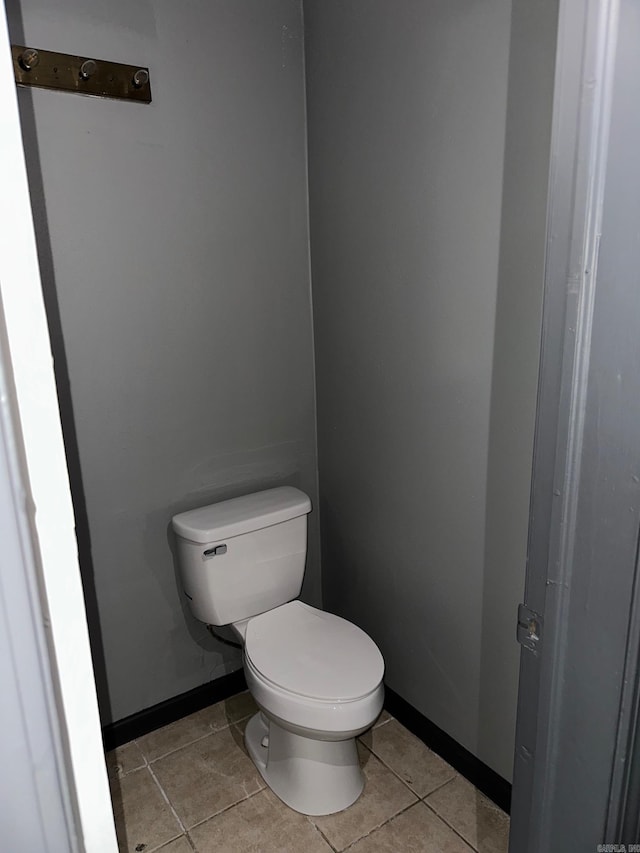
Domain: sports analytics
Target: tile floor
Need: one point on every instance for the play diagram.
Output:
(191, 786)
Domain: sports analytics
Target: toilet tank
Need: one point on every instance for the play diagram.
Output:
(244, 556)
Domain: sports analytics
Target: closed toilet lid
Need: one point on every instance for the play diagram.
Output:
(313, 653)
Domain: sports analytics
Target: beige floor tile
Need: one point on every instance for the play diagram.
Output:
(189, 729)
(141, 813)
(383, 797)
(240, 707)
(208, 776)
(240, 727)
(477, 819)
(261, 824)
(418, 766)
(417, 830)
(124, 759)
(384, 717)
(180, 845)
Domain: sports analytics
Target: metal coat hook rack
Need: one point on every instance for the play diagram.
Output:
(80, 74)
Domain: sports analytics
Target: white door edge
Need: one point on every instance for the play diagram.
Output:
(48, 484)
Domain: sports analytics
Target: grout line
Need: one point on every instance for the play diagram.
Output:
(451, 827)
(226, 809)
(440, 787)
(112, 752)
(377, 828)
(119, 776)
(397, 775)
(129, 772)
(189, 743)
(136, 741)
(167, 843)
(184, 745)
(163, 845)
(321, 833)
(190, 842)
(167, 800)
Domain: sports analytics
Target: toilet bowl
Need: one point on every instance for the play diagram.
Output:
(316, 678)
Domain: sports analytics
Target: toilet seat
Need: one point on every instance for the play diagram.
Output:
(315, 655)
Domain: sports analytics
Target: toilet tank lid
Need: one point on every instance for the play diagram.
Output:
(241, 515)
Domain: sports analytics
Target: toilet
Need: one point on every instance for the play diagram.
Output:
(316, 678)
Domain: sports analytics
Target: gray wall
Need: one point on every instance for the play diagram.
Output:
(426, 332)
(515, 366)
(178, 249)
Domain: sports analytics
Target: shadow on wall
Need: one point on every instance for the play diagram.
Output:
(350, 559)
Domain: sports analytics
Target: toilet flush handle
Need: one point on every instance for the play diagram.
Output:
(215, 552)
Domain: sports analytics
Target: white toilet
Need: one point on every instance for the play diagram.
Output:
(316, 678)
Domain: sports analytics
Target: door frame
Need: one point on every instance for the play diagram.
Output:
(578, 692)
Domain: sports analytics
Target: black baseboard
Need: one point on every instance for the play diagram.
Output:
(150, 719)
(479, 774)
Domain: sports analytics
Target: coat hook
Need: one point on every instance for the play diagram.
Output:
(29, 58)
(68, 72)
(140, 78)
(88, 68)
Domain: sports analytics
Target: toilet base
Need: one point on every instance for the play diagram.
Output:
(313, 777)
